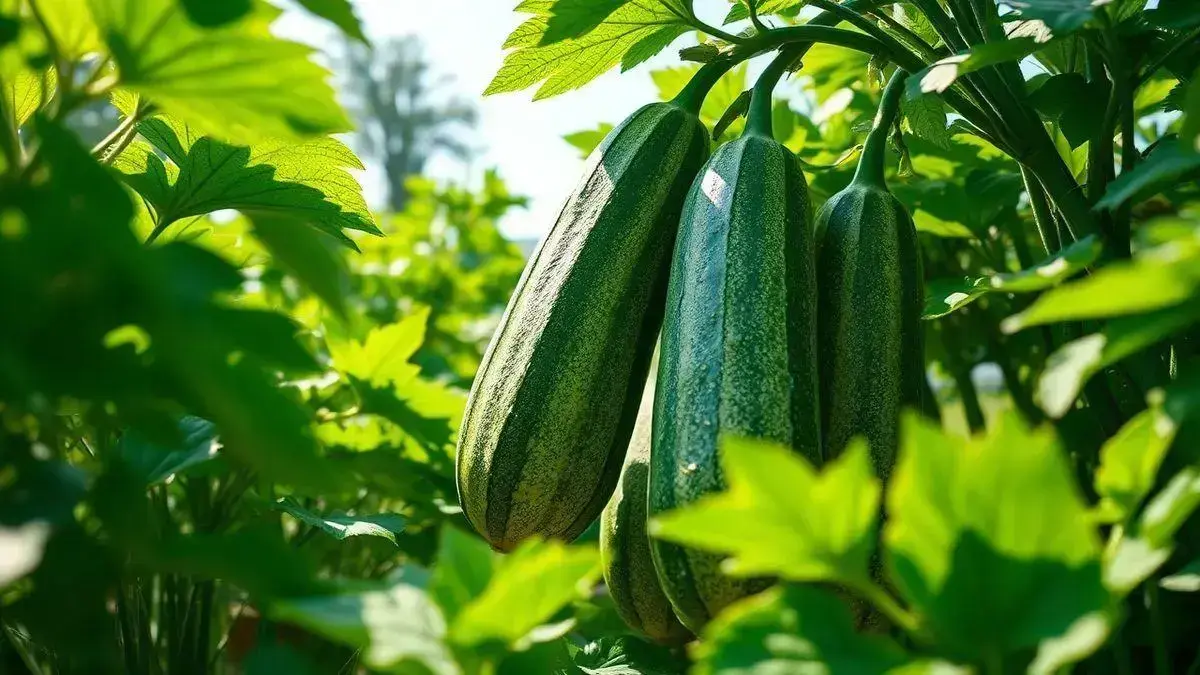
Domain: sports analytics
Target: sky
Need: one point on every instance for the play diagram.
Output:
(520, 137)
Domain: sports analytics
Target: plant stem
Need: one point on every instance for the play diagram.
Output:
(1162, 661)
(871, 165)
(759, 119)
(10, 135)
(884, 602)
(693, 94)
(1042, 217)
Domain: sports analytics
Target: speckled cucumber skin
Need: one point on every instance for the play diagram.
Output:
(625, 545)
(738, 353)
(871, 296)
(553, 405)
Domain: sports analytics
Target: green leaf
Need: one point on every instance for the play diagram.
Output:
(1002, 508)
(1168, 163)
(382, 359)
(1129, 463)
(800, 629)
(926, 116)
(531, 585)
(1059, 267)
(1170, 507)
(574, 18)
(1063, 16)
(943, 73)
(944, 296)
(307, 254)
(399, 629)
(586, 141)
(213, 13)
(1132, 561)
(71, 24)
(1154, 281)
(1189, 131)
(237, 82)
(255, 559)
(1184, 580)
(338, 12)
(385, 525)
(155, 464)
(307, 181)
(1070, 367)
(25, 90)
(464, 569)
(930, 224)
(624, 655)
(1071, 101)
(781, 518)
(741, 11)
(633, 33)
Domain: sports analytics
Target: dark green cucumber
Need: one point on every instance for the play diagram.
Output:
(625, 546)
(869, 272)
(553, 405)
(738, 352)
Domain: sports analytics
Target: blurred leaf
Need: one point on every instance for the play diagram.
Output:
(1063, 16)
(1184, 580)
(1132, 561)
(21, 549)
(74, 31)
(1059, 267)
(626, 655)
(255, 559)
(1129, 463)
(551, 656)
(634, 32)
(587, 141)
(276, 659)
(213, 13)
(385, 525)
(1189, 132)
(1147, 284)
(942, 74)
(155, 464)
(338, 12)
(25, 90)
(1167, 510)
(781, 518)
(382, 359)
(237, 82)
(1168, 163)
(529, 587)
(464, 569)
(1002, 508)
(307, 254)
(307, 181)
(399, 629)
(1071, 101)
(800, 629)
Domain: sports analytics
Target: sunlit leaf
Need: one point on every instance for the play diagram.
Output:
(1002, 508)
(636, 31)
(1050, 272)
(1184, 580)
(943, 73)
(465, 564)
(384, 525)
(586, 141)
(1129, 463)
(533, 583)
(396, 628)
(1169, 162)
(237, 82)
(801, 629)
(781, 518)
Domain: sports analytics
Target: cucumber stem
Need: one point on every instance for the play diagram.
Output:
(870, 166)
(759, 120)
(692, 97)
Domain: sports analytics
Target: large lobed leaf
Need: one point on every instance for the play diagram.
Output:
(237, 82)
(634, 32)
(305, 180)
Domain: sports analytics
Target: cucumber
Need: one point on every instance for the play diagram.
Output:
(551, 410)
(738, 351)
(625, 546)
(871, 295)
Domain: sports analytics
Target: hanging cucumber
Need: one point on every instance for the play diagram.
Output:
(625, 546)
(738, 353)
(553, 405)
(869, 272)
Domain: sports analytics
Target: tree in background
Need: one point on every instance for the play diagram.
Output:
(400, 121)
